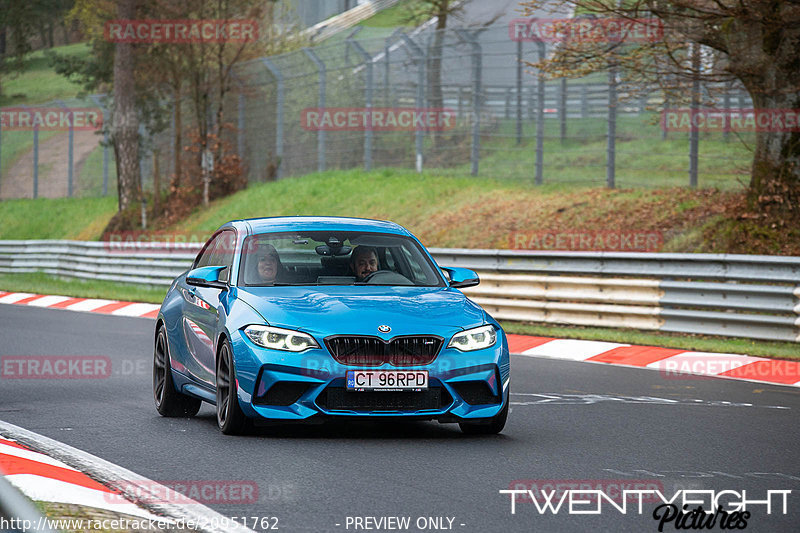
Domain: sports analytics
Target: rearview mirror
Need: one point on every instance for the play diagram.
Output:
(211, 276)
(461, 278)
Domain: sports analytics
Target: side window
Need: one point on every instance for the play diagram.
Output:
(203, 260)
(416, 269)
(219, 252)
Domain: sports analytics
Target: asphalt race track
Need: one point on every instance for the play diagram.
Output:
(569, 421)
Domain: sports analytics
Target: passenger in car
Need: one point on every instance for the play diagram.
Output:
(363, 262)
(268, 264)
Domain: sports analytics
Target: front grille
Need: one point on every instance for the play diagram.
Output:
(475, 392)
(358, 350)
(340, 399)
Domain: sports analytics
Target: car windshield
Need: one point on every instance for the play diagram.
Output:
(335, 258)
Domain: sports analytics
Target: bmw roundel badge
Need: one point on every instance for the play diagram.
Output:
(384, 329)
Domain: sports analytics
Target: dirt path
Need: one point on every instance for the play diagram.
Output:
(17, 181)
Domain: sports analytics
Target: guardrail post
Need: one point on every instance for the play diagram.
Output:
(584, 101)
(611, 150)
(477, 73)
(321, 103)
(368, 92)
(276, 72)
(420, 60)
(539, 178)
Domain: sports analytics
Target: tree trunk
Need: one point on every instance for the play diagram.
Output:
(156, 186)
(177, 133)
(125, 121)
(775, 180)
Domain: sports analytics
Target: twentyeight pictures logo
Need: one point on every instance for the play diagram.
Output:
(181, 31)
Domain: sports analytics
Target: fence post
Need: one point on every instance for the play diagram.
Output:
(70, 150)
(663, 115)
(96, 99)
(562, 108)
(477, 73)
(368, 90)
(321, 103)
(539, 178)
(276, 72)
(35, 158)
(419, 58)
(1, 157)
(519, 92)
(694, 134)
(726, 104)
(386, 73)
(611, 151)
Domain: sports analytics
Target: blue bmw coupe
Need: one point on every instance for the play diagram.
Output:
(311, 318)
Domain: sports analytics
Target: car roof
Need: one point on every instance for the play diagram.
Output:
(315, 223)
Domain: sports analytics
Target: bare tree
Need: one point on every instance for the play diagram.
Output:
(125, 128)
(754, 41)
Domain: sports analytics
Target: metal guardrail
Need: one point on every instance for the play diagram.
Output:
(716, 294)
(329, 27)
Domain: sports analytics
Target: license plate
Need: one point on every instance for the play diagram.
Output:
(387, 380)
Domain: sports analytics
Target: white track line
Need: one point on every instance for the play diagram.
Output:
(89, 305)
(47, 301)
(14, 297)
(571, 349)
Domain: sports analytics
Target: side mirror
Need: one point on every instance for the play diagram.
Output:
(214, 277)
(461, 278)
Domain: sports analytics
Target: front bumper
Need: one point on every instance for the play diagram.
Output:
(282, 386)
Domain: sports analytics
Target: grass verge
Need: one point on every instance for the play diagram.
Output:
(55, 218)
(41, 283)
(683, 341)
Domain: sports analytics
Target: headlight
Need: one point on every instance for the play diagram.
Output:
(280, 339)
(474, 339)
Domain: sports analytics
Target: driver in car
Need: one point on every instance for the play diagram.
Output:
(363, 262)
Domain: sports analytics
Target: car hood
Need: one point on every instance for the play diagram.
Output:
(359, 310)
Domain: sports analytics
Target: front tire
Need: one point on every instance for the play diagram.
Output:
(169, 402)
(230, 418)
(493, 427)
